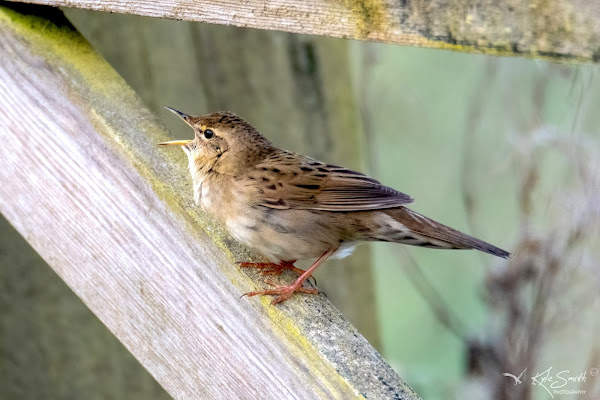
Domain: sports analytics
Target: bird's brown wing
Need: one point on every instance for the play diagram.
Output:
(289, 181)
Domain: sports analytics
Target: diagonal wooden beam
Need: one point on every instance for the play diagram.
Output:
(84, 182)
(561, 30)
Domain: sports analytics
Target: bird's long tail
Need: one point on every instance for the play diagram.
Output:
(417, 230)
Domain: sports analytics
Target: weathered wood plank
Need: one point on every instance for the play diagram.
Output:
(560, 30)
(84, 182)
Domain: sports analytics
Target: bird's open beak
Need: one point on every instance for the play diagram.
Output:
(187, 119)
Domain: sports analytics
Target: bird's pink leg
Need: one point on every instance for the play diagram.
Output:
(283, 293)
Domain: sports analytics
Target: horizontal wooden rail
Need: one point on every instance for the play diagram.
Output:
(561, 30)
(82, 179)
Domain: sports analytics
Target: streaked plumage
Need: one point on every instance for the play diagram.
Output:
(287, 207)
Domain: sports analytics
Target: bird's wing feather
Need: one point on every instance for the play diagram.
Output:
(289, 181)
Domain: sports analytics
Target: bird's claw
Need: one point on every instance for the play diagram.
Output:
(281, 292)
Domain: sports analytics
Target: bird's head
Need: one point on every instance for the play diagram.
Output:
(223, 143)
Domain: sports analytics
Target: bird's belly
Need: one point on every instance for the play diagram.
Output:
(277, 237)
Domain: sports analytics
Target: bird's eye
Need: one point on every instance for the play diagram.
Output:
(208, 133)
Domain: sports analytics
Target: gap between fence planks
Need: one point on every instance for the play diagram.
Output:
(81, 178)
(560, 30)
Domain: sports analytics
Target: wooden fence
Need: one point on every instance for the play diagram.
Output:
(84, 182)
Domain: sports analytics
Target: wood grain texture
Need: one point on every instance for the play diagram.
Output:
(559, 30)
(42, 354)
(84, 182)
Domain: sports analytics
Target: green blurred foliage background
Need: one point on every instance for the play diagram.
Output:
(458, 132)
(438, 123)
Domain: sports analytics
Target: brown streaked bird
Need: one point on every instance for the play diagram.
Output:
(288, 207)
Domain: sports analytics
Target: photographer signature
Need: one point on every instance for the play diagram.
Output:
(547, 380)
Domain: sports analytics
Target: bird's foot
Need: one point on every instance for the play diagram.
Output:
(282, 292)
